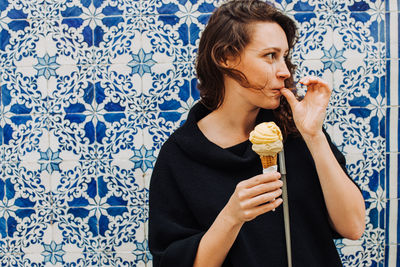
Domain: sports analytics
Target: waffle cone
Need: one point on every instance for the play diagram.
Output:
(268, 161)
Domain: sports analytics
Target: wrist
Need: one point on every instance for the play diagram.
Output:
(315, 141)
(314, 138)
(229, 219)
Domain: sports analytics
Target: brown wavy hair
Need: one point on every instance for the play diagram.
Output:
(227, 33)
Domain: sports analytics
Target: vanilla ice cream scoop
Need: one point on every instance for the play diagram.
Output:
(267, 139)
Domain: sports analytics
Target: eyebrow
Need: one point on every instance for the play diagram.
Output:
(273, 48)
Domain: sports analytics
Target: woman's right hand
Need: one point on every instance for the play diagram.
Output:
(253, 197)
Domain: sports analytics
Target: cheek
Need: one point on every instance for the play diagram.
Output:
(262, 75)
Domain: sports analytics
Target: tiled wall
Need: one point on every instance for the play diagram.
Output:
(90, 89)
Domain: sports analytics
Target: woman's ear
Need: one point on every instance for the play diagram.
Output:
(230, 62)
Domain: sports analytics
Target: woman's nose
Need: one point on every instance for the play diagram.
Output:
(283, 71)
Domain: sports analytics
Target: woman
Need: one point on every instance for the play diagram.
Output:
(209, 204)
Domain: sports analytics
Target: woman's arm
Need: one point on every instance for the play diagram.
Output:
(250, 199)
(343, 200)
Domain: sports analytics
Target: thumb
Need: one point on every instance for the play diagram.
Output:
(289, 97)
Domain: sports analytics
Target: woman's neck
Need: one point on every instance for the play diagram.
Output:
(229, 125)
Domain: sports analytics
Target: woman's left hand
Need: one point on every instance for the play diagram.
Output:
(309, 113)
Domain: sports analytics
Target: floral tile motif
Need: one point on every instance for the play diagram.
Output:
(370, 177)
(73, 136)
(370, 255)
(24, 89)
(172, 87)
(123, 140)
(159, 125)
(90, 90)
(357, 130)
(24, 135)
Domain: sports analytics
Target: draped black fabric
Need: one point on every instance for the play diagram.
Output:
(193, 180)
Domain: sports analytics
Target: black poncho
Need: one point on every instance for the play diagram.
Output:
(192, 181)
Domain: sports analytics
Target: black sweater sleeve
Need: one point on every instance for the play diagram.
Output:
(174, 234)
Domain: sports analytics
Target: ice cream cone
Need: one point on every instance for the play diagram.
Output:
(268, 161)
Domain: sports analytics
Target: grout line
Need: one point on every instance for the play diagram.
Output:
(393, 129)
(392, 253)
(393, 170)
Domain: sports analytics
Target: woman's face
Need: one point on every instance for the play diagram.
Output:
(263, 63)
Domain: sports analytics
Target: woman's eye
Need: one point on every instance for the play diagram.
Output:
(270, 56)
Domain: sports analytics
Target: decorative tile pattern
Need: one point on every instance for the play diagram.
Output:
(90, 89)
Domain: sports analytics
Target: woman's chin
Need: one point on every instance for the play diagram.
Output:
(272, 104)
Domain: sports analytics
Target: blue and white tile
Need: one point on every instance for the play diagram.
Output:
(172, 87)
(130, 259)
(392, 82)
(100, 183)
(166, 38)
(72, 79)
(392, 222)
(119, 136)
(314, 37)
(121, 62)
(24, 135)
(73, 136)
(327, 7)
(25, 233)
(88, 19)
(179, 8)
(392, 5)
(71, 90)
(159, 125)
(392, 129)
(392, 38)
(98, 234)
(357, 38)
(187, 16)
(392, 255)
(315, 68)
(18, 35)
(33, 9)
(117, 88)
(24, 90)
(124, 178)
(365, 255)
(129, 245)
(368, 172)
(70, 47)
(98, 8)
(360, 85)
(361, 34)
(392, 248)
(72, 182)
(357, 130)
(119, 42)
(25, 186)
(78, 234)
(41, 252)
(22, 195)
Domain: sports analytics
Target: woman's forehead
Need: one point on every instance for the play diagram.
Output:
(267, 34)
